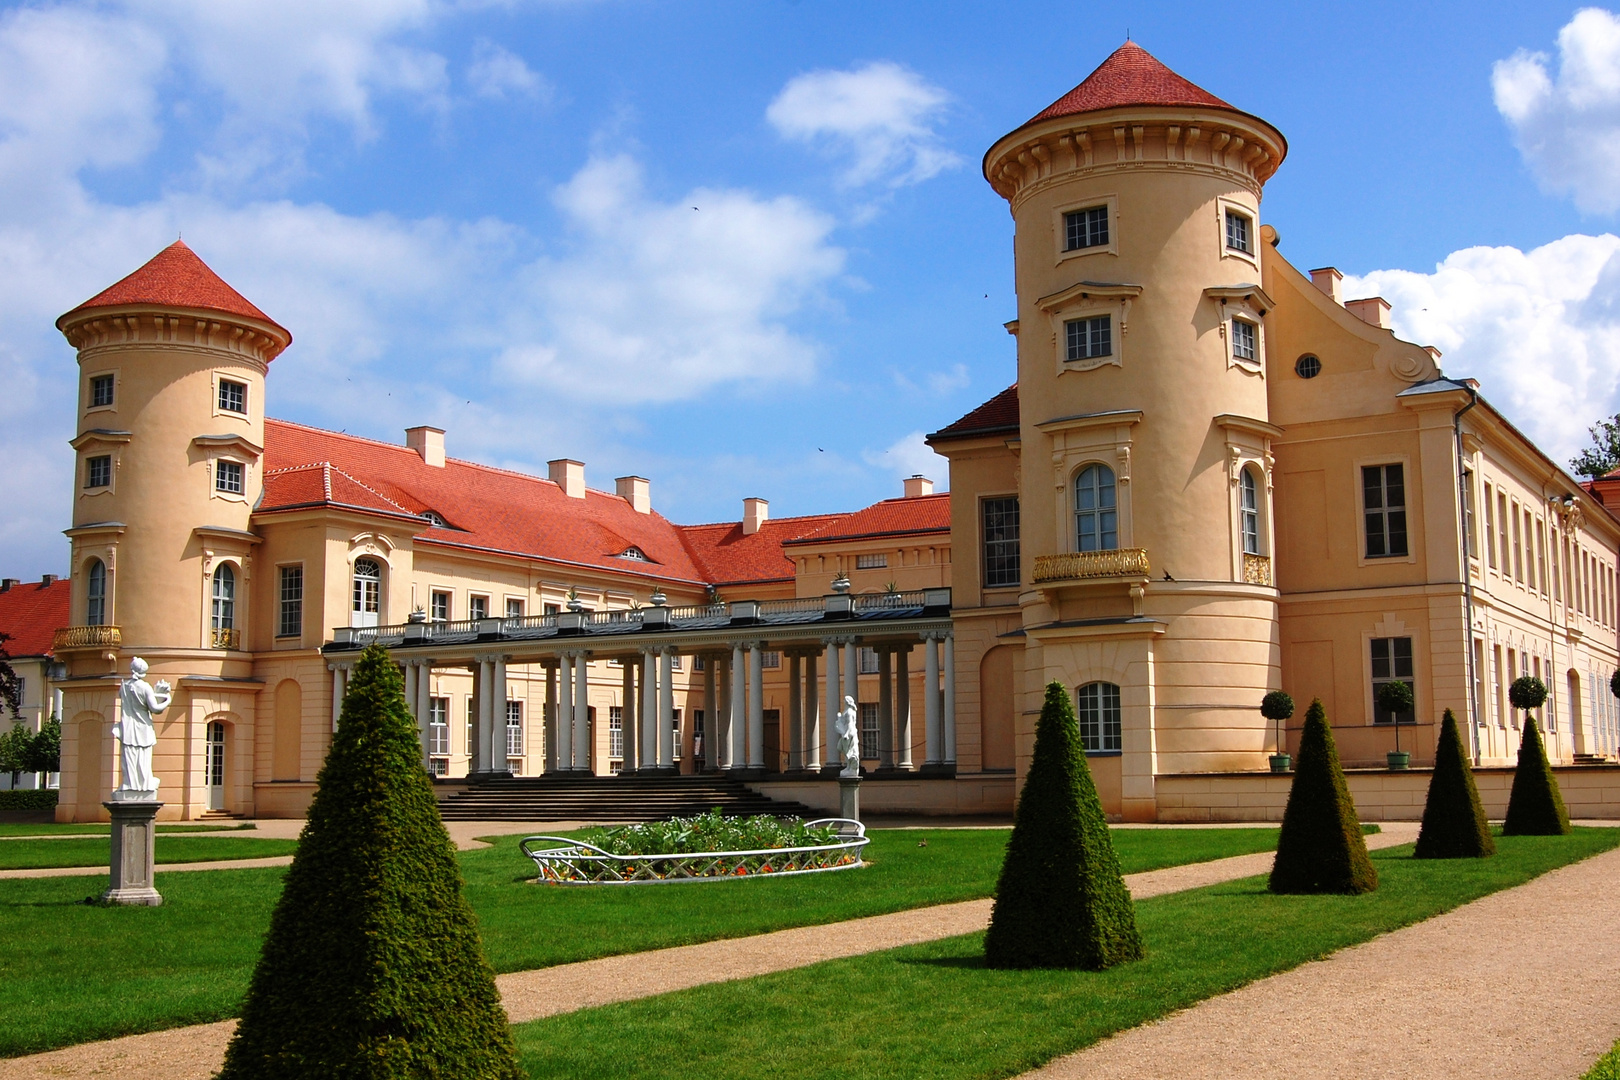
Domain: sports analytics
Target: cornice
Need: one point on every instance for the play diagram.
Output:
(221, 442)
(1087, 420)
(1087, 289)
(251, 340)
(100, 435)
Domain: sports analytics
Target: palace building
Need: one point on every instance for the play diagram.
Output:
(1213, 476)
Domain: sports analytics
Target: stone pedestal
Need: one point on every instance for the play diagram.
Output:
(849, 797)
(132, 862)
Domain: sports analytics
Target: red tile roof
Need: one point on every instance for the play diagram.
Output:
(1130, 76)
(322, 484)
(31, 613)
(730, 558)
(891, 517)
(176, 277)
(1000, 413)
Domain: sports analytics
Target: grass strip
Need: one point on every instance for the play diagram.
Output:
(935, 1010)
(72, 973)
(91, 828)
(95, 851)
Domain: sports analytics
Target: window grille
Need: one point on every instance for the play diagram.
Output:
(101, 391)
(1243, 334)
(514, 729)
(1099, 718)
(1095, 515)
(439, 607)
(224, 597)
(98, 472)
(232, 396)
(439, 726)
(675, 724)
(1383, 491)
(1088, 338)
(228, 477)
(770, 659)
(1469, 539)
(616, 732)
(291, 622)
(367, 598)
(514, 608)
(477, 607)
(867, 661)
(1001, 556)
(1251, 514)
(1392, 662)
(871, 562)
(1237, 232)
(96, 594)
(869, 729)
(1085, 228)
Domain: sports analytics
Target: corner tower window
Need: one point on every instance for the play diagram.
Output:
(95, 604)
(1085, 228)
(1251, 513)
(228, 477)
(1099, 718)
(1237, 232)
(224, 598)
(1096, 519)
(367, 599)
(1243, 340)
(1088, 338)
(101, 391)
(98, 471)
(1383, 492)
(232, 396)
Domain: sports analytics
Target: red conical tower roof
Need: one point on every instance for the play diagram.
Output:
(1130, 76)
(176, 277)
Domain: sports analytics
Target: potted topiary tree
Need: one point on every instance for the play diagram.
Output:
(1527, 693)
(1395, 698)
(1278, 707)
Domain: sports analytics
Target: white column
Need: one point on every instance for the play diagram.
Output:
(582, 714)
(666, 708)
(711, 716)
(948, 711)
(852, 668)
(736, 755)
(564, 718)
(885, 710)
(647, 754)
(834, 703)
(627, 719)
(551, 717)
(902, 703)
(722, 713)
(478, 752)
(497, 735)
(931, 697)
(756, 706)
(339, 684)
(408, 671)
(795, 739)
(809, 757)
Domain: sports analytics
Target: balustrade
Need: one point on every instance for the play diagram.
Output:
(86, 637)
(1083, 565)
(1256, 569)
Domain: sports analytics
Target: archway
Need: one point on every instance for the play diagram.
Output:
(997, 709)
(289, 722)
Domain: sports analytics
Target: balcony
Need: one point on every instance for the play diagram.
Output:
(227, 637)
(69, 638)
(1256, 569)
(1120, 563)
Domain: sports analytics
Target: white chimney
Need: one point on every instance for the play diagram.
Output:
(918, 486)
(1328, 280)
(635, 490)
(755, 513)
(427, 441)
(568, 475)
(1374, 311)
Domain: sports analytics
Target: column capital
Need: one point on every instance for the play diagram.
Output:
(340, 665)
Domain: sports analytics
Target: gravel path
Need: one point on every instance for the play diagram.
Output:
(194, 1053)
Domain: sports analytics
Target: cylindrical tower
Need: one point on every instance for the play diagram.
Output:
(1145, 469)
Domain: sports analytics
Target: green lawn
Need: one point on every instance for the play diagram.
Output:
(71, 973)
(95, 851)
(91, 828)
(933, 1010)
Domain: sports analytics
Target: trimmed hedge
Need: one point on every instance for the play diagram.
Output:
(28, 799)
(1320, 848)
(1454, 823)
(1536, 806)
(1060, 900)
(372, 966)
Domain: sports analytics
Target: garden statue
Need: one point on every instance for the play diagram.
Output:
(136, 734)
(849, 738)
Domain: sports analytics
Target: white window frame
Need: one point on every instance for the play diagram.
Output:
(1236, 309)
(213, 475)
(1405, 462)
(472, 599)
(449, 604)
(112, 469)
(1060, 230)
(1109, 734)
(1224, 206)
(281, 600)
(1089, 301)
(872, 561)
(245, 416)
(89, 391)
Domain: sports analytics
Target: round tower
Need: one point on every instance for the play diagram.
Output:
(1145, 465)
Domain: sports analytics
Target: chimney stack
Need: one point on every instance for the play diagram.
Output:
(755, 513)
(427, 441)
(568, 475)
(47, 580)
(1374, 311)
(635, 490)
(1328, 280)
(7, 584)
(917, 486)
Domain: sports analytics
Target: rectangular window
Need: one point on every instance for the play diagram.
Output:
(768, 659)
(1479, 682)
(514, 729)
(616, 732)
(551, 609)
(1237, 233)
(869, 729)
(232, 396)
(1490, 529)
(1518, 545)
(477, 607)
(1468, 516)
(439, 725)
(1541, 558)
(101, 391)
(1243, 339)
(98, 471)
(228, 477)
(291, 622)
(675, 661)
(1099, 718)
(439, 607)
(1502, 521)
(772, 718)
(1088, 338)
(472, 706)
(514, 608)
(1085, 228)
(1383, 490)
(867, 661)
(871, 562)
(1552, 564)
(1001, 561)
(1392, 662)
(1501, 693)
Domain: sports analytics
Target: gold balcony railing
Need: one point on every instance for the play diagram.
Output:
(1081, 565)
(86, 637)
(227, 637)
(1256, 569)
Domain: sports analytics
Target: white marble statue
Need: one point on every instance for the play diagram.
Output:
(136, 734)
(847, 728)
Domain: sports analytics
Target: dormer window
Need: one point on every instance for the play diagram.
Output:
(635, 553)
(433, 518)
(232, 396)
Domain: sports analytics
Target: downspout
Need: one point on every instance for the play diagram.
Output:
(1467, 575)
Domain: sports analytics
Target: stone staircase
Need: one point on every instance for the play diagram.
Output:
(609, 798)
(1592, 759)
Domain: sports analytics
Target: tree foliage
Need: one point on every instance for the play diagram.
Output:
(1277, 705)
(10, 682)
(1060, 901)
(1454, 822)
(372, 966)
(1320, 848)
(1527, 692)
(1536, 806)
(16, 751)
(45, 750)
(1603, 456)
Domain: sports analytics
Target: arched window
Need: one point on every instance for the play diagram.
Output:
(1250, 512)
(1099, 717)
(224, 597)
(367, 601)
(95, 604)
(1096, 521)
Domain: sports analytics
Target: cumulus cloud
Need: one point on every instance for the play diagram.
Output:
(660, 301)
(880, 116)
(1540, 329)
(911, 456)
(499, 74)
(1567, 125)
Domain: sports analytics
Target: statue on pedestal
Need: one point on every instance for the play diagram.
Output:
(847, 728)
(136, 733)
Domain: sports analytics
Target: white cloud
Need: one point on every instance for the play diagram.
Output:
(911, 456)
(881, 115)
(1568, 127)
(660, 301)
(1540, 329)
(499, 74)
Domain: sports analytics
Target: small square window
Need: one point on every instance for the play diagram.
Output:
(1237, 233)
(514, 608)
(232, 396)
(1088, 338)
(871, 562)
(477, 607)
(1085, 228)
(101, 391)
(98, 472)
(1243, 340)
(228, 477)
(770, 659)
(440, 605)
(551, 609)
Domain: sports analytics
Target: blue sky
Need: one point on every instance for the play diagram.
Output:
(744, 248)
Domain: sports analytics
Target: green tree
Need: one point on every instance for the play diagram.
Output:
(1535, 806)
(1320, 848)
(16, 748)
(1060, 900)
(10, 681)
(1454, 823)
(1603, 455)
(372, 966)
(45, 749)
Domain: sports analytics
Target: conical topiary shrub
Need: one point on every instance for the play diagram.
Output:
(1320, 849)
(372, 966)
(1536, 806)
(1060, 901)
(1454, 824)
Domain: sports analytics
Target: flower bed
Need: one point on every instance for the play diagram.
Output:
(704, 848)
